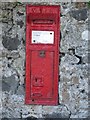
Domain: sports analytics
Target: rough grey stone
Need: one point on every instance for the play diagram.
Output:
(9, 84)
(20, 90)
(89, 24)
(85, 35)
(7, 15)
(21, 23)
(20, 13)
(13, 54)
(50, 111)
(71, 59)
(10, 43)
(55, 115)
(80, 50)
(80, 14)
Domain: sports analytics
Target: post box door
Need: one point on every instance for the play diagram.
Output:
(41, 74)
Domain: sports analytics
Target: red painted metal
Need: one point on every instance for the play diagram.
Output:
(42, 60)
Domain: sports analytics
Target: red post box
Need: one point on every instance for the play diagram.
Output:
(42, 54)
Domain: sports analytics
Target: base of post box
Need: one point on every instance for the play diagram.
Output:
(48, 102)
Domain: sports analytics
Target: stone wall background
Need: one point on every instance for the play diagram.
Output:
(73, 79)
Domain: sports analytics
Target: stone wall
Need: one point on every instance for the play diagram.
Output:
(73, 79)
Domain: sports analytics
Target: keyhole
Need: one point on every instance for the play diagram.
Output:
(42, 54)
(32, 100)
(36, 79)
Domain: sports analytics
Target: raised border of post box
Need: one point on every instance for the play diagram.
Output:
(42, 18)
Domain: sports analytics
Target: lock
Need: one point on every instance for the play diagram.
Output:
(42, 54)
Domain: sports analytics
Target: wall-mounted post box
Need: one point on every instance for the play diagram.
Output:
(42, 54)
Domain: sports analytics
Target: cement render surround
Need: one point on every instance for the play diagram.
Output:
(73, 76)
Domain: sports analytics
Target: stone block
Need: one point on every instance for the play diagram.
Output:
(79, 14)
(9, 84)
(10, 43)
